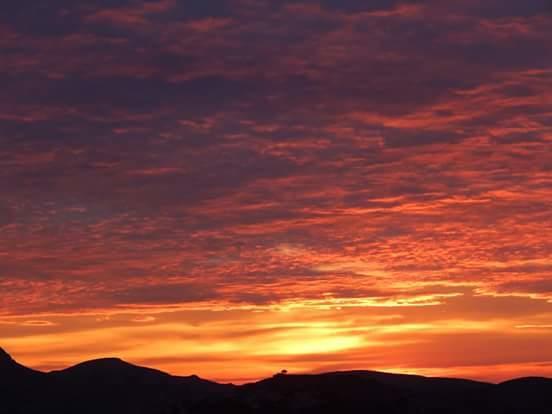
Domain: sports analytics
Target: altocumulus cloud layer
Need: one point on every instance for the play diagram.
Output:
(363, 182)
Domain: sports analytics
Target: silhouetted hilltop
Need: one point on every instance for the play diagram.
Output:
(11, 371)
(4, 356)
(113, 386)
(7, 362)
(112, 371)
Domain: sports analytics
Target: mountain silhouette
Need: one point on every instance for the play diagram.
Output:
(9, 365)
(13, 374)
(113, 386)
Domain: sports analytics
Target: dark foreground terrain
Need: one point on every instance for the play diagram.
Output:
(109, 386)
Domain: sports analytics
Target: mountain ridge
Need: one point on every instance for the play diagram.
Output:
(114, 386)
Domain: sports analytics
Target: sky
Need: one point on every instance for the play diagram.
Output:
(230, 188)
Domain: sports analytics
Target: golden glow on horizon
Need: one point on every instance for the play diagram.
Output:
(244, 345)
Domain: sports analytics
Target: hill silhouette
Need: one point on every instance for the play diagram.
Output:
(113, 386)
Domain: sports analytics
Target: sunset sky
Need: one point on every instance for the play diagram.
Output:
(229, 188)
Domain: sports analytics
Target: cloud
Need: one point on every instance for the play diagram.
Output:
(238, 156)
(352, 6)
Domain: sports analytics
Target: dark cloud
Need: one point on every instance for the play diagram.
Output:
(163, 294)
(51, 18)
(539, 286)
(511, 8)
(191, 98)
(258, 143)
(406, 138)
(198, 9)
(352, 6)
